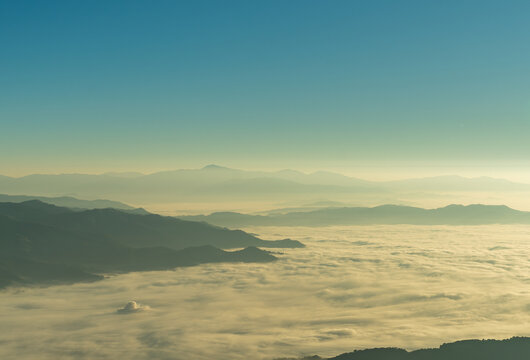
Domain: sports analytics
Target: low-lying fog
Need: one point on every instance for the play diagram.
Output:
(352, 287)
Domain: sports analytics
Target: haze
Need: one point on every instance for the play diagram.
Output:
(272, 180)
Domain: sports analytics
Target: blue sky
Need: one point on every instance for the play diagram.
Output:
(145, 85)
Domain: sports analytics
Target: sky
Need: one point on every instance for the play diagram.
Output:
(357, 86)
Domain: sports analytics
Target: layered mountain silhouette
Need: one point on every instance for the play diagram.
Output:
(386, 214)
(74, 203)
(516, 348)
(134, 229)
(222, 184)
(40, 243)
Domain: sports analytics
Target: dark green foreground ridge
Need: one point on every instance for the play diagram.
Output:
(516, 348)
(42, 243)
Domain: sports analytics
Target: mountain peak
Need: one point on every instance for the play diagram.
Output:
(215, 167)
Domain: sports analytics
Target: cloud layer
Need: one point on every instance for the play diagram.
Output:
(352, 287)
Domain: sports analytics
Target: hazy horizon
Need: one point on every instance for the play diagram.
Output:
(368, 173)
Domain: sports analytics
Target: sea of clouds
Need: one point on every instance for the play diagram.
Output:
(352, 287)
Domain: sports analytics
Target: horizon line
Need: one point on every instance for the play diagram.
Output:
(221, 167)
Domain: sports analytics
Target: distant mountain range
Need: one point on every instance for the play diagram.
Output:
(222, 184)
(516, 348)
(385, 214)
(40, 242)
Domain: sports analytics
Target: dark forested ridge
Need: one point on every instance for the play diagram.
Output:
(44, 243)
(516, 348)
(71, 202)
(135, 230)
